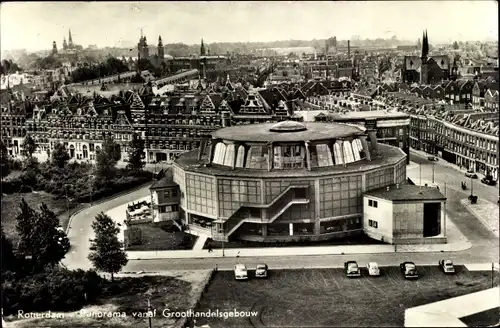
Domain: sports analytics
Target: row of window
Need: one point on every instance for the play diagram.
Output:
(373, 224)
(372, 203)
(168, 208)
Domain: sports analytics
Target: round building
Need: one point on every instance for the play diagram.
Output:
(284, 181)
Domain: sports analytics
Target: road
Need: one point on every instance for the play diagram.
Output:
(485, 243)
(80, 229)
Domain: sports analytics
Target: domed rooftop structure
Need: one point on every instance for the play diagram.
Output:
(287, 131)
(288, 126)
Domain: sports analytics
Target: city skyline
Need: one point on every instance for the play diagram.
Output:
(34, 26)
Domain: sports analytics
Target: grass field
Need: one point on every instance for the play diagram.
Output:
(155, 238)
(354, 240)
(176, 292)
(10, 208)
(326, 298)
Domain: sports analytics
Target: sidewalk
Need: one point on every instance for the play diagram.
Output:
(456, 242)
(444, 162)
(486, 212)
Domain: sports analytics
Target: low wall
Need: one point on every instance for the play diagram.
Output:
(298, 238)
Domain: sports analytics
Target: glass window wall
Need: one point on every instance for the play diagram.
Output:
(340, 196)
(257, 158)
(201, 194)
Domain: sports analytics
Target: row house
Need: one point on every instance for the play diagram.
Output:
(12, 121)
(455, 91)
(466, 139)
(485, 96)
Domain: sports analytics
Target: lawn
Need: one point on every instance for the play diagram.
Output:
(10, 208)
(355, 240)
(155, 238)
(326, 298)
(176, 292)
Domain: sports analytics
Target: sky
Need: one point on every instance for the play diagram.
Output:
(34, 25)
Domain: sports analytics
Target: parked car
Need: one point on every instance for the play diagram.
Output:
(447, 266)
(373, 269)
(471, 175)
(352, 269)
(261, 271)
(240, 272)
(488, 180)
(432, 158)
(409, 270)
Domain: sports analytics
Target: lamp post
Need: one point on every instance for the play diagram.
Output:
(432, 172)
(150, 312)
(471, 187)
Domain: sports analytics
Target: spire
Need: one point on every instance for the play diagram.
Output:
(160, 43)
(202, 48)
(70, 39)
(425, 45)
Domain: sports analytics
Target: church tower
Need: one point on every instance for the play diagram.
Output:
(70, 40)
(202, 49)
(424, 58)
(54, 48)
(161, 51)
(65, 44)
(139, 47)
(145, 48)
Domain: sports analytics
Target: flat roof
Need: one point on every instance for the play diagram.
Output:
(263, 133)
(379, 114)
(407, 192)
(390, 155)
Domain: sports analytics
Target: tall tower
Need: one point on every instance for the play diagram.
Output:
(54, 48)
(139, 47)
(202, 48)
(145, 48)
(423, 58)
(65, 44)
(161, 51)
(70, 40)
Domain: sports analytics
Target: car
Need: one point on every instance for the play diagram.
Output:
(471, 175)
(352, 269)
(409, 270)
(373, 269)
(447, 266)
(261, 271)
(240, 272)
(433, 158)
(488, 180)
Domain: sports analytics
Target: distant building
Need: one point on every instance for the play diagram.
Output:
(426, 69)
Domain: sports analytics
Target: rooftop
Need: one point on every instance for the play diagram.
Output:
(406, 192)
(287, 132)
(389, 156)
(370, 114)
(166, 181)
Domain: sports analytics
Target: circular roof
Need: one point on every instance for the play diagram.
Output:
(265, 132)
(288, 126)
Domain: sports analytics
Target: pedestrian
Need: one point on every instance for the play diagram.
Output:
(209, 247)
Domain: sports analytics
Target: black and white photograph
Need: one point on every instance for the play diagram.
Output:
(227, 164)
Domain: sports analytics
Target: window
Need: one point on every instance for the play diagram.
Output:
(373, 224)
(372, 203)
(162, 209)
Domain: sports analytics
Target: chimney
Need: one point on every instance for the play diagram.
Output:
(348, 47)
(388, 188)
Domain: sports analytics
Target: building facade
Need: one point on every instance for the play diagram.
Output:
(284, 181)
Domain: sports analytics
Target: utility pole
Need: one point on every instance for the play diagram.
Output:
(150, 313)
(420, 174)
(432, 172)
(471, 187)
(492, 274)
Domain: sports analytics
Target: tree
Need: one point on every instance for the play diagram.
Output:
(107, 158)
(135, 153)
(41, 239)
(7, 254)
(28, 146)
(5, 160)
(455, 45)
(60, 155)
(108, 254)
(137, 79)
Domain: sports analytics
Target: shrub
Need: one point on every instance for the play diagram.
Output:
(55, 289)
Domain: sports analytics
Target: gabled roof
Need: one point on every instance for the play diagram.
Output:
(137, 102)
